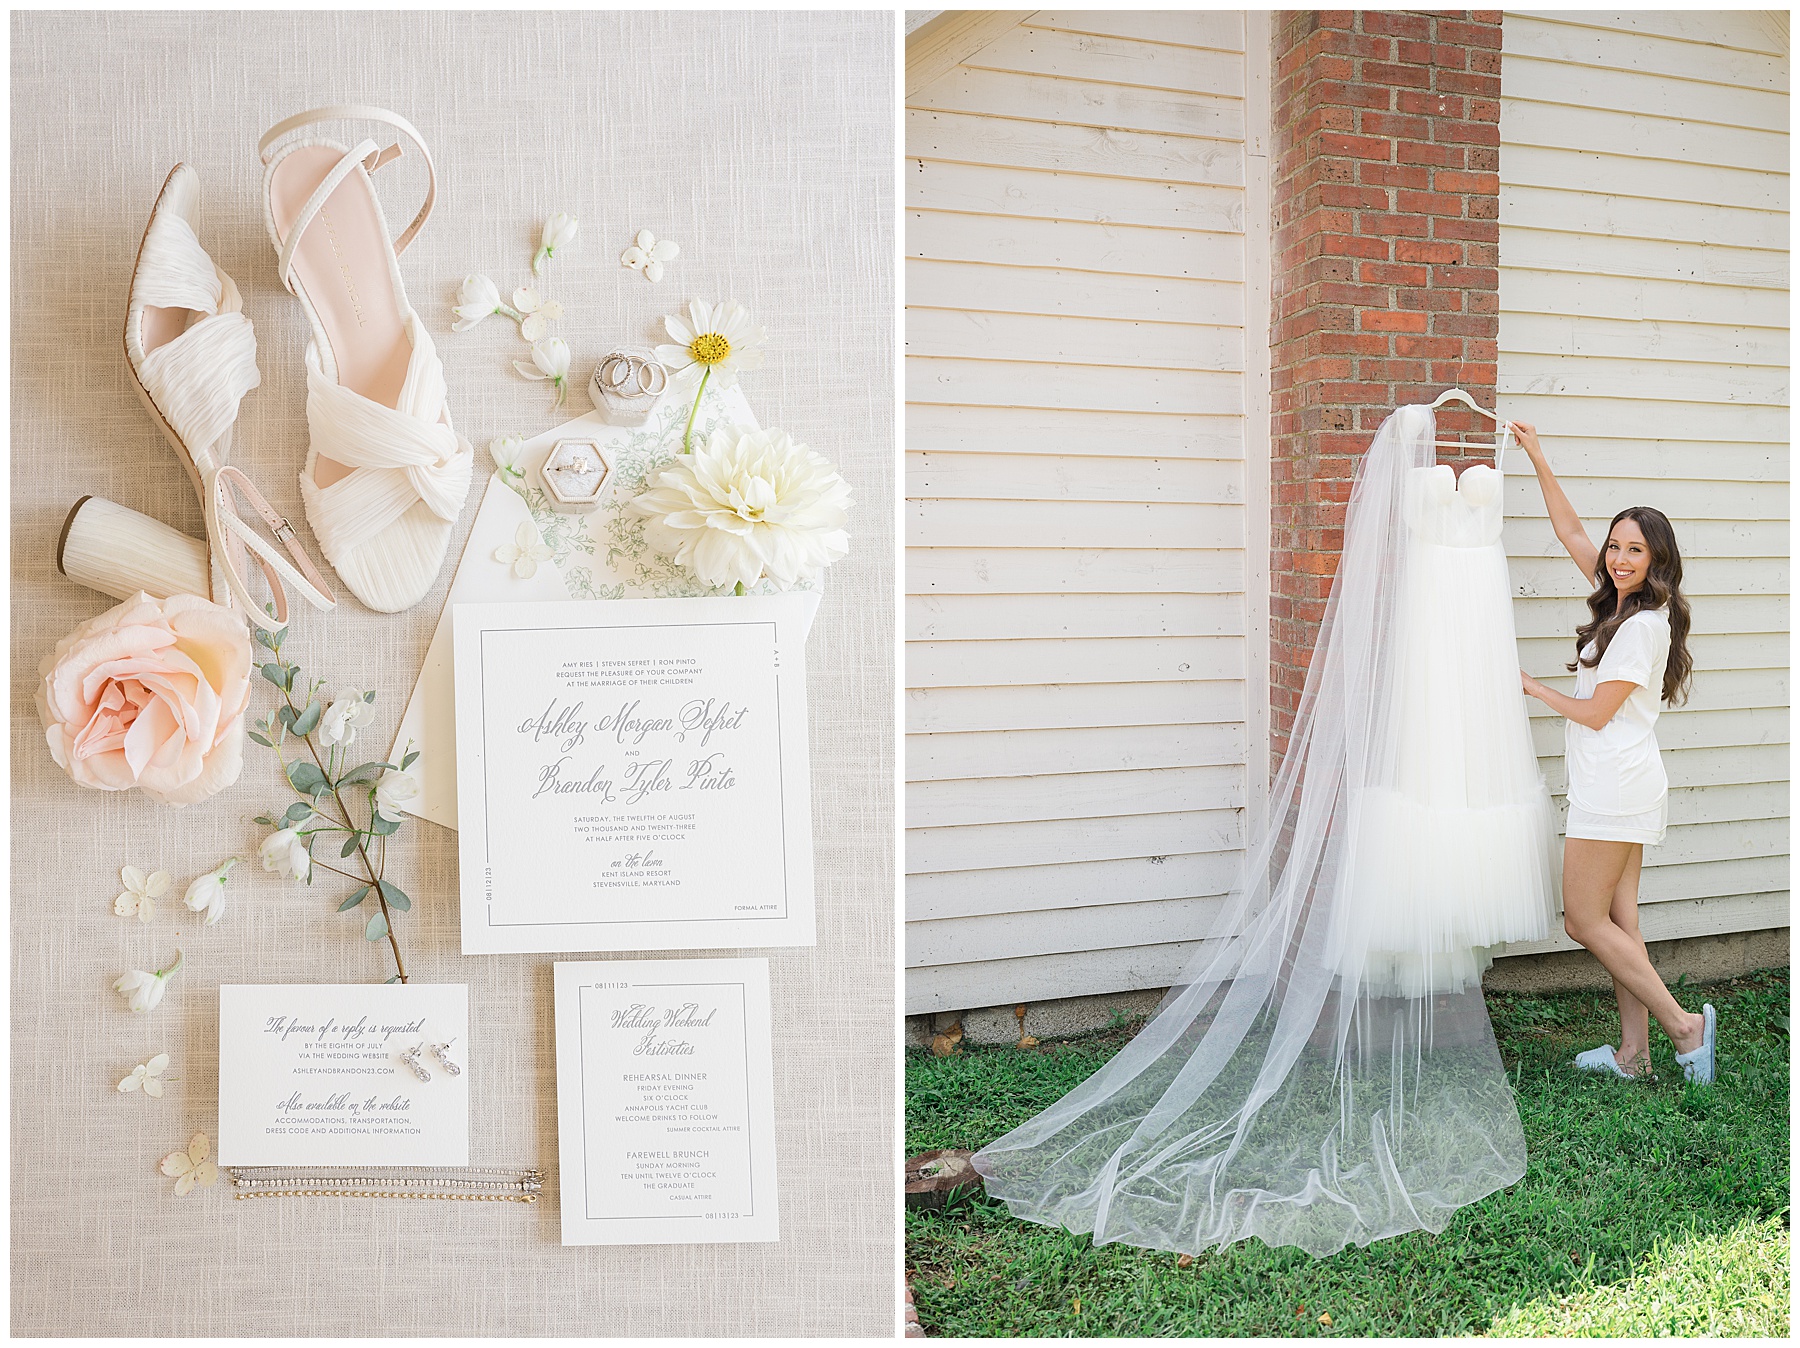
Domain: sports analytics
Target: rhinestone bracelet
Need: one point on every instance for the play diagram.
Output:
(474, 1185)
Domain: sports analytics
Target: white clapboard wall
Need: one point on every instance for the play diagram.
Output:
(1086, 430)
(1643, 329)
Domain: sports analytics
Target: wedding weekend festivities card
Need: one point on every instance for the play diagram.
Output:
(665, 1106)
(632, 774)
(311, 1074)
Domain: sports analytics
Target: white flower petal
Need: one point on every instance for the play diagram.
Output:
(153, 1087)
(532, 327)
(156, 1065)
(552, 357)
(653, 271)
(529, 371)
(666, 250)
(477, 292)
(634, 257)
(525, 298)
(646, 240)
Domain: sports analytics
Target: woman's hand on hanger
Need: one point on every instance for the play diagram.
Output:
(1563, 518)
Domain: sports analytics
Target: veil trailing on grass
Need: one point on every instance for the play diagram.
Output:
(1308, 1084)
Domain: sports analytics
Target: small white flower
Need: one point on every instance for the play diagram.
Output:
(284, 852)
(478, 298)
(649, 253)
(206, 894)
(549, 360)
(142, 991)
(506, 453)
(342, 719)
(558, 230)
(191, 1167)
(141, 892)
(525, 551)
(746, 506)
(395, 788)
(537, 313)
(147, 1077)
(714, 342)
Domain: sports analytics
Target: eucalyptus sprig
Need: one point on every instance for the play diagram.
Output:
(327, 789)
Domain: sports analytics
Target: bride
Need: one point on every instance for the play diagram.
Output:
(1631, 657)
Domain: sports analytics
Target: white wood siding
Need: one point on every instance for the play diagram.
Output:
(1087, 427)
(1644, 330)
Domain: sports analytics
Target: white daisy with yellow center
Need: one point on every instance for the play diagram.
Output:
(715, 342)
(711, 344)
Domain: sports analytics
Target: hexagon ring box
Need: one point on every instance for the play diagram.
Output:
(576, 473)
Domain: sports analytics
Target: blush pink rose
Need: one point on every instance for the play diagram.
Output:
(150, 694)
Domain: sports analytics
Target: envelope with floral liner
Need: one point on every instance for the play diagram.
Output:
(601, 555)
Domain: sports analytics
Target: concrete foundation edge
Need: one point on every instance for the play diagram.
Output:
(1704, 959)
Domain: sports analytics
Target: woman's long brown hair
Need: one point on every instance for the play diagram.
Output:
(1662, 586)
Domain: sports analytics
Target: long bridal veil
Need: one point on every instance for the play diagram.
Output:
(1306, 1084)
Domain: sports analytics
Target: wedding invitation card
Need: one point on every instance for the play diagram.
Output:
(312, 1075)
(633, 774)
(665, 1113)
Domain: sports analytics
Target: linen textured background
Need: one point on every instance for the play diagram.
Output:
(762, 143)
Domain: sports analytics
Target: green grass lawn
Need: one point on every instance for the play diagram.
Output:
(1645, 1209)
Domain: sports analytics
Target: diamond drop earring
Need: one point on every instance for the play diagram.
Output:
(442, 1053)
(411, 1059)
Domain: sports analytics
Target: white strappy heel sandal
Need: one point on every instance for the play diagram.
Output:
(386, 475)
(192, 355)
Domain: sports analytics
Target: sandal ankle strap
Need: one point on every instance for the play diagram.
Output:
(231, 535)
(366, 154)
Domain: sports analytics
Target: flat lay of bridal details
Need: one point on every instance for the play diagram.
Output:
(716, 516)
(1325, 1074)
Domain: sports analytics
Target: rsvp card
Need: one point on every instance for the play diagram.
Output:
(311, 1075)
(664, 1102)
(633, 774)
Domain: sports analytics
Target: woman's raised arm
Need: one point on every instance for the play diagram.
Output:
(1563, 518)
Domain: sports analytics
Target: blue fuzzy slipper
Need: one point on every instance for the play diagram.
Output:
(1602, 1059)
(1697, 1066)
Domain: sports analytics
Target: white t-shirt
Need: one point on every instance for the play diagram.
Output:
(1617, 768)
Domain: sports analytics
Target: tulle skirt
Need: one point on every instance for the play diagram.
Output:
(1454, 835)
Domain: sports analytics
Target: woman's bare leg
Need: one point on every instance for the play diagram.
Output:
(1634, 1016)
(1592, 871)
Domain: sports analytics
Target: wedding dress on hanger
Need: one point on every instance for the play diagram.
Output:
(1326, 1073)
(1453, 852)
